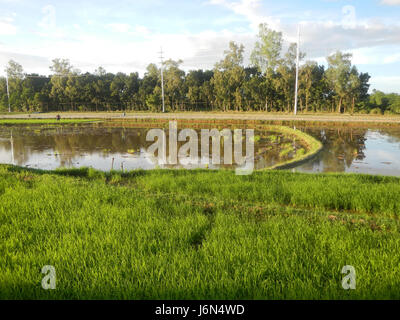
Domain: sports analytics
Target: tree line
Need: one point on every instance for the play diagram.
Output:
(267, 84)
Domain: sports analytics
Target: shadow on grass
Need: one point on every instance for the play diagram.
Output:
(90, 173)
(83, 172)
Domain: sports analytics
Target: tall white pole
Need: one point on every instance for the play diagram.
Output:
(8, 94)
(162, 80)
(297, 70)
(12, 149)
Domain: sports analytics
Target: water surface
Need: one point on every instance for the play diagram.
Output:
(109, 146)
(359, 149)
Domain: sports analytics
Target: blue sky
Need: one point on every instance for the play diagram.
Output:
(126, 35)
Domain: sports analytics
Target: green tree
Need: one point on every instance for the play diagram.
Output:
(15, 74)
(196, 95)
(338, 74)
(228, 78)
(174, 85)
(150, 81)
(354, 87)
(311, 86)
(61, 80)
(266, 56)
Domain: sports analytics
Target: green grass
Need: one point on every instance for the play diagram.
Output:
(175, 234)
(286, 149)
(43, 121)
(313, 147)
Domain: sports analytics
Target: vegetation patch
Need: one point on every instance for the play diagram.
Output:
(44, 121)
(197, 234)
(313, 147)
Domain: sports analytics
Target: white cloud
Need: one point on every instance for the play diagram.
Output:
(386, 83)
(128, 29)
(392, 58)
(320, 36)
(119, 27)
(369, 56)
(7, 27)
(31, 63)
(252, 10)
(142, 30)
(198, 50)
(391, 2)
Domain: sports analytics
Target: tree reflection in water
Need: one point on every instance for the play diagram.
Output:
(342, 146)
(346, 148)
(73, 146)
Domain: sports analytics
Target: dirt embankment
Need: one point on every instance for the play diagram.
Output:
(211, 115)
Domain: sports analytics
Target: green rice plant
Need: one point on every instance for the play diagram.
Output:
(273, 138)
(300, 152)
(197, 234)
(313, 147)
(285, 151)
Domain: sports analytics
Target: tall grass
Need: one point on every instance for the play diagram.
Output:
(197, 234)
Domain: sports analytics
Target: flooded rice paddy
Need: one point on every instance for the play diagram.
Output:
(106, 146)
(360, 149)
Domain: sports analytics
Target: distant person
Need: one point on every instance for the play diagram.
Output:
(58, 117)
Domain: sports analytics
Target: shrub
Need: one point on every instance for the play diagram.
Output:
(376, 111)
(389, 113)
(395, 108)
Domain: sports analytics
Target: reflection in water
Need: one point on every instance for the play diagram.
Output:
(107, 147)
(342, 146)
(12, 149)
(51, 148)
(360, 150)
(346, 149)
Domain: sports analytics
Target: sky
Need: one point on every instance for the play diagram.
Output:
(126, 35)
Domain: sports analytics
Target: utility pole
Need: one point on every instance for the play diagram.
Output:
(12, 149)
(162, 80)
(8, 94)
(297, 70)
